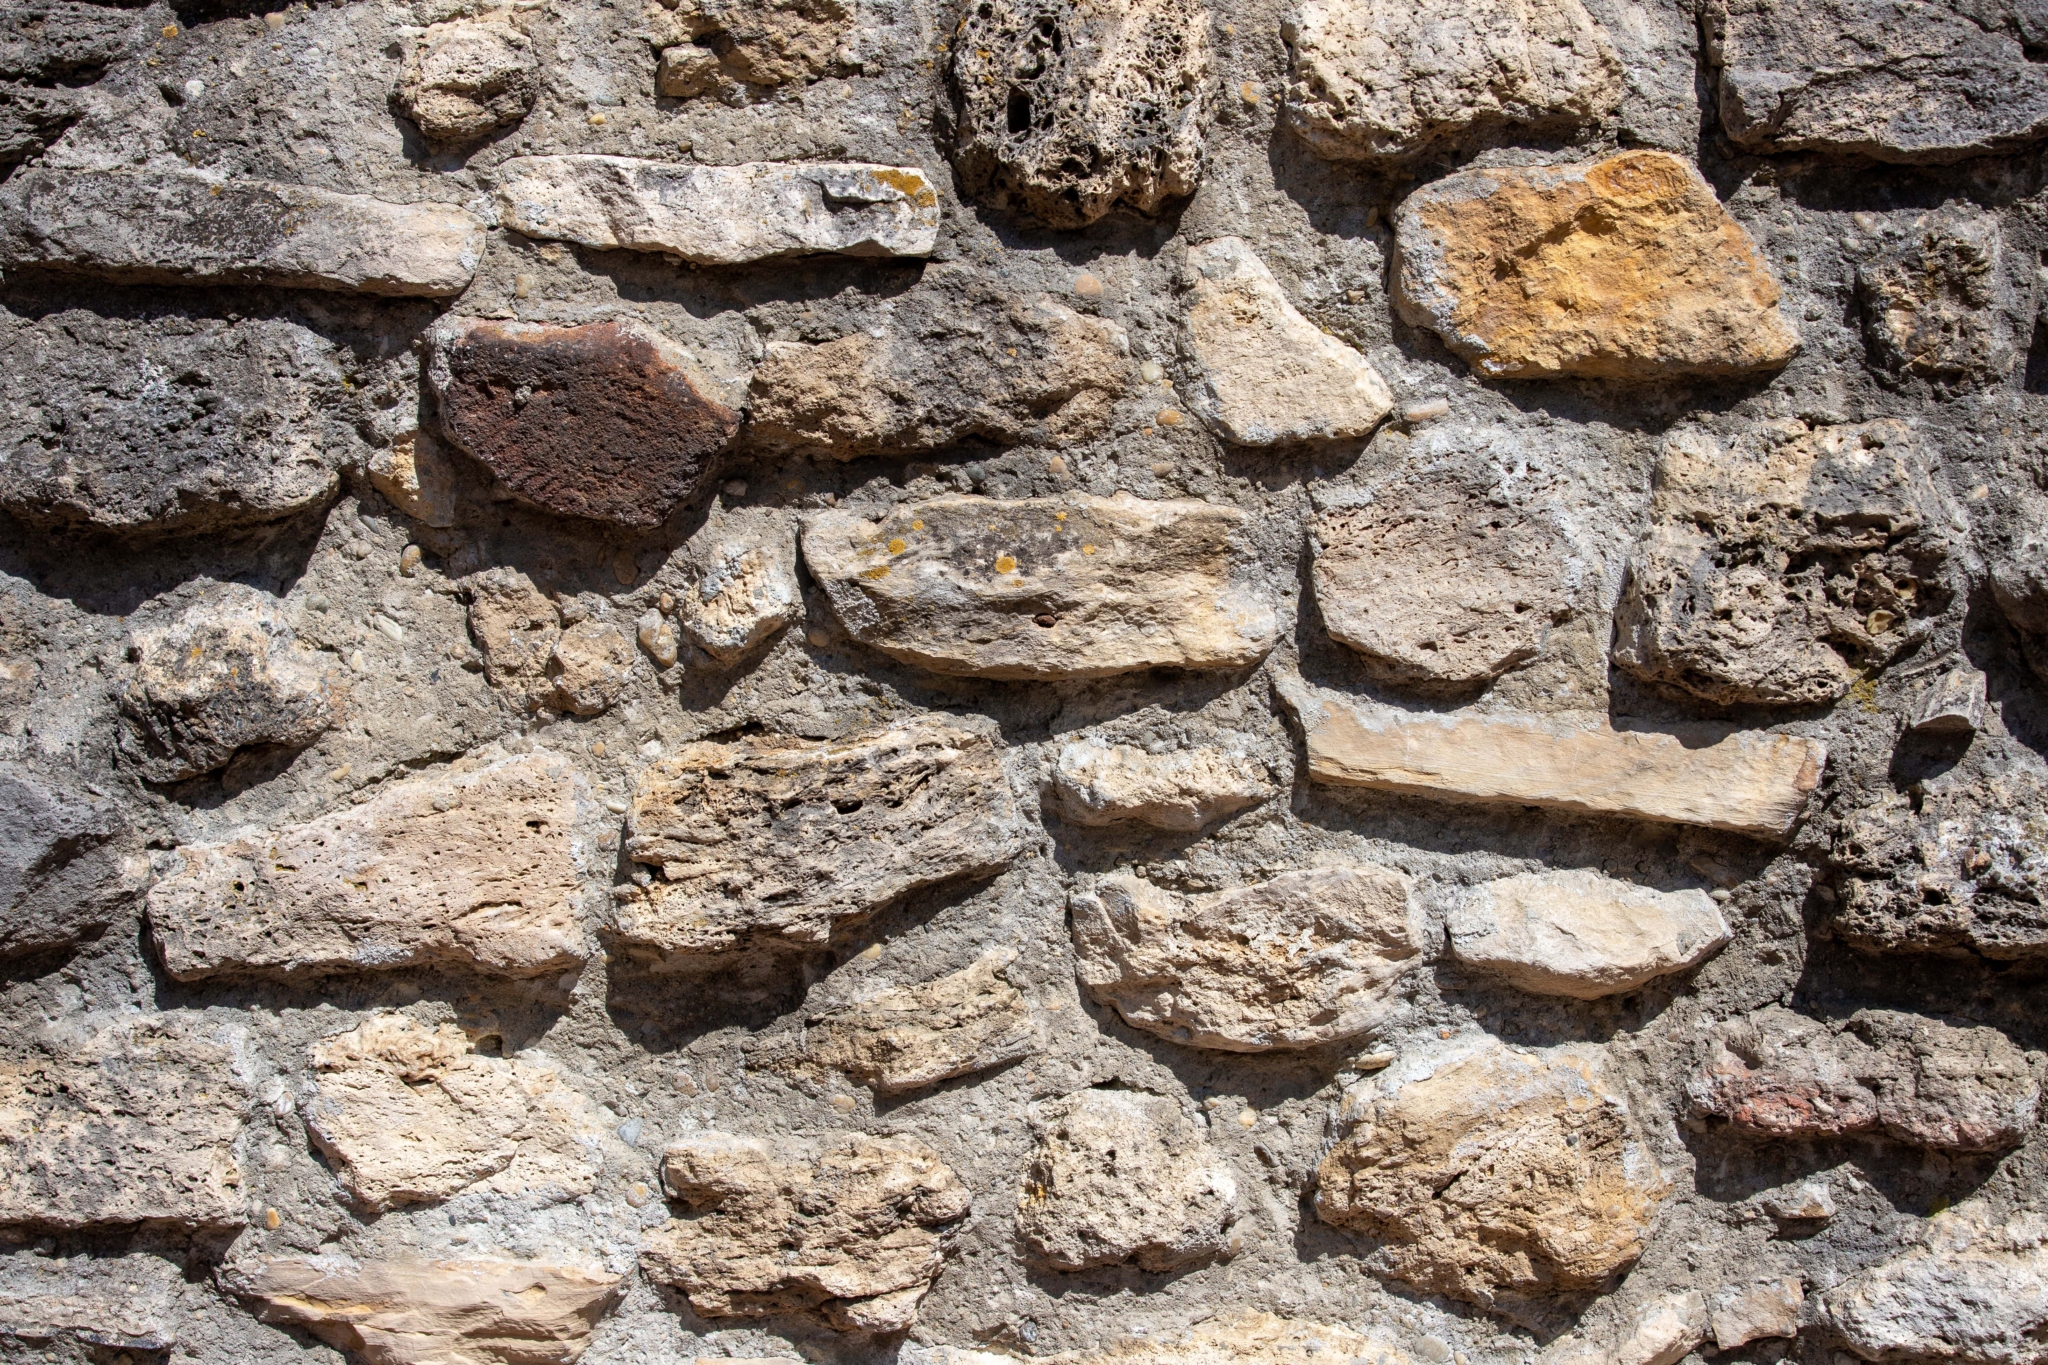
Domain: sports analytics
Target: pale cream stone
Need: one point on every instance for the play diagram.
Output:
(914, 1036)
(466, 79)
(1232, 1337)
(590, 665)
(1662, 1332)
(738, 581)
(415, 475)
(130, 1302)
(1975, 1292)
(1184, 791)
(1769, 1308)
(1582, 935)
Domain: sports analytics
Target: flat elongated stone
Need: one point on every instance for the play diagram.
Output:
(1186, 790)
(1975, 1292)
(779, 839)
(721, 215)
(474, 868)
(1244, 1336)
(1752, 783)
(1068, 587)
(122, 1302)
(1304, 959)
(1583, 935)
(68, 868)
(914, 1036)
(188, 227)
(1627, 268)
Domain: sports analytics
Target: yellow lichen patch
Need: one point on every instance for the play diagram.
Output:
(917, 525)
(898, 546)
(1006, 564)
(910, 183)
(879, 571)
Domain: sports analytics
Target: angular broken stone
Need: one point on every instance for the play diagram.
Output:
(130, 1120)
(68, 868)
(1379, 80)
(1264, 374)
(228, 673)
(1752, 782)
(775, 839)
(1975, 1292)
(1063, 110)
(1064, 587)
(466, 79)
(130, 1303)
(738, 582)
(1627, 268)
(1935, 306)
(415, 475)
(475, 867)
(590, 665)
(721, 215)
(194, 227)
(1752, 1312)
(611, 421)
(1953, 704)
(1663, 1332)
(1184, 791)
(914, 1036)
(454, 1312)
(745, 50)
(1118, 1176)
(1496, 1175)
(515, 626)
(851, 1228)
(1582, 935)
(1304, 959)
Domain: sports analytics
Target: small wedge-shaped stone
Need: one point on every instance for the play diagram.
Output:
(131, 1120)
(1752, 782)
(780, 839)
(1627, 268)
(189, 227)
(738, 581)
(1266, 375)
(476, 868)
(1582, 935)
(721, 215)
(457, 1312)
(1304, 959)
(1975, 1292)
(1186, 790)
(1065, 587)
(852, 1228)
(914, 1036)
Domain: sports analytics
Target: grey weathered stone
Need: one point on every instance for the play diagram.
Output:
(130, 1302)
(1184, 791)
(748, 50)
(1952, 703)
(1937, 305)
(1973, 1292)
(1582, 935)
(736, 581)
(68, 867)
(909, 1037)
(467, 78)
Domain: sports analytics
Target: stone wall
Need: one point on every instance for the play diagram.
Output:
(1096, 680)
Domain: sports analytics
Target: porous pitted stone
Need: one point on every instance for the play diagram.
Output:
(1264, 374)
(1497, 1175)
(1582, 935)
(1627, 269)
(124, 1120)
(1784, 565)
(610, 421)
(1935, 305)
(1974, 1292)
(1063, 587)
(475, 867)
(738, 581)
(1119, 1176)
(1777, 1074)
(47, 51)
(228, 673)
(416, 476)
(466, 79)
(127, 1303)
(515, 626)
(1063, 109)
(852, 1228)
(1304, 959)
(1380, 80)
(721, 215)
(192, 227)
(914, 1036)
(68, 865)
(590, 666)
(455, 1312)
(1184, 791)
(780, 839)
(743, 50)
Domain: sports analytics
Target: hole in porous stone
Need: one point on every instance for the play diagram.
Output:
(1019, 113)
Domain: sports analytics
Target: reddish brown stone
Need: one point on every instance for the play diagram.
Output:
(610, 421)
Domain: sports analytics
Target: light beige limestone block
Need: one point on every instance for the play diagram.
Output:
(1974, 1292)
(1236, 1336)
(738, 582)
(1582, 935)
(1768, 1308)
(1184, 791)
(590, 665)
(465, 79)
(130, 1302)
(909, 1037)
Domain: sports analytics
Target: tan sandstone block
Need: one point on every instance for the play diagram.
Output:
(130, 1302)
(1582, 935)
(738, 581)
(465, 79)
(1768, 1308)
(913, 1036)
(590, 665)
(1185, 790)
(415, 475)
(515, 626)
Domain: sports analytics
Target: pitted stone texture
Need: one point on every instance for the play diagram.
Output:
(407, 1114)
(738, 582)
(1625, 269)
(69, 866)
(721, 215)
(130, 1303)
(1380, 80)
(1063, 110)
(1784, 565)
(611, 421)
(1184, 791)
(1026, 371)
(473, 868)
(48, 51)
(1776, 1074)
(1065, 587)
(1582, 935)
(416, 476)
(1896, 80)
(1305, 959)
(1118, 1176)
(774, 839)
(1974, 1292)
(1936, 305)
(1496, 1175)
(190, 227)
(516, 627)
(851, 1228)
(1264, 374)
(590, 666)
(747, 50)
(455, 1312)
(466, 79)
(228, 673)
(910, 1037)
(130, 1120)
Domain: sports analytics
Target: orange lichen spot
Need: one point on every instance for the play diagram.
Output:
(1006, 564)
(898, 546)
(1087, 549)
(917, 525)
(1059, 516)
(879, 571)
(1169, 418)
(911, 184)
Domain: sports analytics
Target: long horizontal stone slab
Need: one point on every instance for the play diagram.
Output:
(721, 215)
(187, 227)
(1752, 782)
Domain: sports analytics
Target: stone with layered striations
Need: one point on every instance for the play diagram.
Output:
(773, 839)
(909, 1037)
(721, 215)
(121, 1303)
(1974, 1292)
(474, 867)
(1304, 959)
(193, 227)
(1232, 1337)
(1626, 269)
(1582, 935)
(1063, 587)
(1184, 790)
(69, 863)
(467, 78)
(736, 581)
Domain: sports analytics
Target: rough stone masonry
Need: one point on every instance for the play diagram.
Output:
(965, 682)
